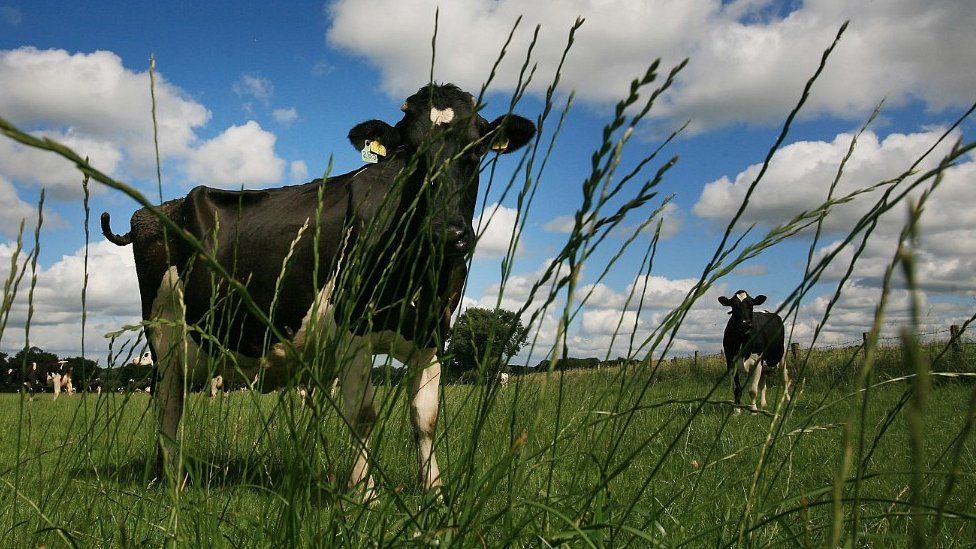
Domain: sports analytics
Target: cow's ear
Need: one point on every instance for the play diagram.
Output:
(725, 301)
(377, 135)
(759, 299)
(510, 133)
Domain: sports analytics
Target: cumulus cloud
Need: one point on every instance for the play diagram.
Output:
(496, 225)
(748, 62)
(240, 156)
(112, 300)
(14, 210)
(254, 86)
(298, 171)
(671, 220)
(60, 177)
(285, 117)
(102, 109)
(95, 96)
(798, 180)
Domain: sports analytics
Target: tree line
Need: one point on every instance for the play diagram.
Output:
(483, 342)
(84, 371)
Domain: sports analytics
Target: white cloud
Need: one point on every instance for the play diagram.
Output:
(60, 177)
(94, 104)
(562, 224)
(254, 86)
(747, 63)
(670, 218)
(241, 155)
(496, 225)
(298, 171)
(14, 210)
(285, 117)
(96, 97)
(608, 321)
(801, 173)
(112, 300)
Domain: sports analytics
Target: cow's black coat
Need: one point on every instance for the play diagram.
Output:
(400, 228)
(749, 332)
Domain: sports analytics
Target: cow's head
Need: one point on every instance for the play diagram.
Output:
(442, 130)
(742, 304)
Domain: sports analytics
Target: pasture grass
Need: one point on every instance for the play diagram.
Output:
(872, 450)
(85, 467)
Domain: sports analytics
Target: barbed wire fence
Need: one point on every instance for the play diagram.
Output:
(953, 348)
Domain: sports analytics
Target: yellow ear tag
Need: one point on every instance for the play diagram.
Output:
(377, 147)
(500, 145)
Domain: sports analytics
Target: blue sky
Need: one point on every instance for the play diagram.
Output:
(262, 95)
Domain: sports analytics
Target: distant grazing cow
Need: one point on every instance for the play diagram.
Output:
(753, 342)
(53, 375)
(216, 385)
(502, 379)
(392, 240)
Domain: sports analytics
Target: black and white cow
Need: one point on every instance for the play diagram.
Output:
(52, 375)
(391, 241)
(753, 342)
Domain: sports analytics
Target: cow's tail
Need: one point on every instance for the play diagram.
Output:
(117, 239)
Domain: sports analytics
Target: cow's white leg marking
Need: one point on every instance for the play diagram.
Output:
(355, 354)
(786, 380)
(762, 384)
(55, 380)
(424, 396)
(216, 383)
(175, 352)
(753, 369)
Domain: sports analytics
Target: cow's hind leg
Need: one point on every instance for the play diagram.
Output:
(355, 358)
(424, 396)
(167, 333)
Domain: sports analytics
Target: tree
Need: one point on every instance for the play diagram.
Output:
(485, 339)
(33, 354)
(83, 370)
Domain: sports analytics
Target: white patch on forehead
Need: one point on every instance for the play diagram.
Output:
(438, 116)
(742, 295)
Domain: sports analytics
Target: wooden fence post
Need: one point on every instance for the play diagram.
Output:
(794, 353)
(956, 347)
(864, 336)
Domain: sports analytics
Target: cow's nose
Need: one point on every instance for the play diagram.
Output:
(460, 237)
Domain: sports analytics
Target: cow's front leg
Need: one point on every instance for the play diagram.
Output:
(786, 380)
(753, 369)
(424, 396)
(734, 367)
(763, 378)
(358, 409)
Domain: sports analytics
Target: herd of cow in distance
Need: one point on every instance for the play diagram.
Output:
(340, 269)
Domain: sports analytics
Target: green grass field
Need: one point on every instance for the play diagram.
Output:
(584, 458)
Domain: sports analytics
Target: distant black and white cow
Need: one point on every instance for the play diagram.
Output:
(388, 247)
(52, 375)
(753, 342)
